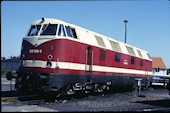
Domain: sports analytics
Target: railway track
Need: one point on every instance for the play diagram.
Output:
(154, 109)
(10, 96)
(20, 98)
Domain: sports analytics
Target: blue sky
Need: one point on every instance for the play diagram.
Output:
(148, 27)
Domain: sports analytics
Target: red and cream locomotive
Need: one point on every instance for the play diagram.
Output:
(57, 56)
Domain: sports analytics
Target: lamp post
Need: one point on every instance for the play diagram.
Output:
(125, 21)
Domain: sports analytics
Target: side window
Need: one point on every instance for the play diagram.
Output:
(117, 57)
(132, 60)
(102, 54)
(141, 63)
(71, 32)
(34, 30)
(61, 31)
(74, 33)
(68, 31)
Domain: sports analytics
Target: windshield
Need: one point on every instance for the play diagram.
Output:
(34, 30)
(49, 29)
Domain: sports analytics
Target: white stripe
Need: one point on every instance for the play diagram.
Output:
(76, 66)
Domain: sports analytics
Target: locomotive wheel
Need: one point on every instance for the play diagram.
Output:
(20, 83)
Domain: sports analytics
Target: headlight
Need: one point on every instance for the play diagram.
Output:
(48, 64)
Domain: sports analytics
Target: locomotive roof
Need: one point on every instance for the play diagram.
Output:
(56, 21)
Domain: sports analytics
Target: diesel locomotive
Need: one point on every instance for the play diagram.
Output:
(58, 56)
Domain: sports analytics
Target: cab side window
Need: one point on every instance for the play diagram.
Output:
(74, 33)
(71, 32)
(68, 31)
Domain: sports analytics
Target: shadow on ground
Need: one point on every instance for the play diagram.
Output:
(160, 103)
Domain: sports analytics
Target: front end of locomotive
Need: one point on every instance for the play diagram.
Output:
(39, 57)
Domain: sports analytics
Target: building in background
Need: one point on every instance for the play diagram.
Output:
(158, 66)
(9, 64)
(160, 72)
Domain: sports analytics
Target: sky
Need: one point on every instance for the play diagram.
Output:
(148, 26)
